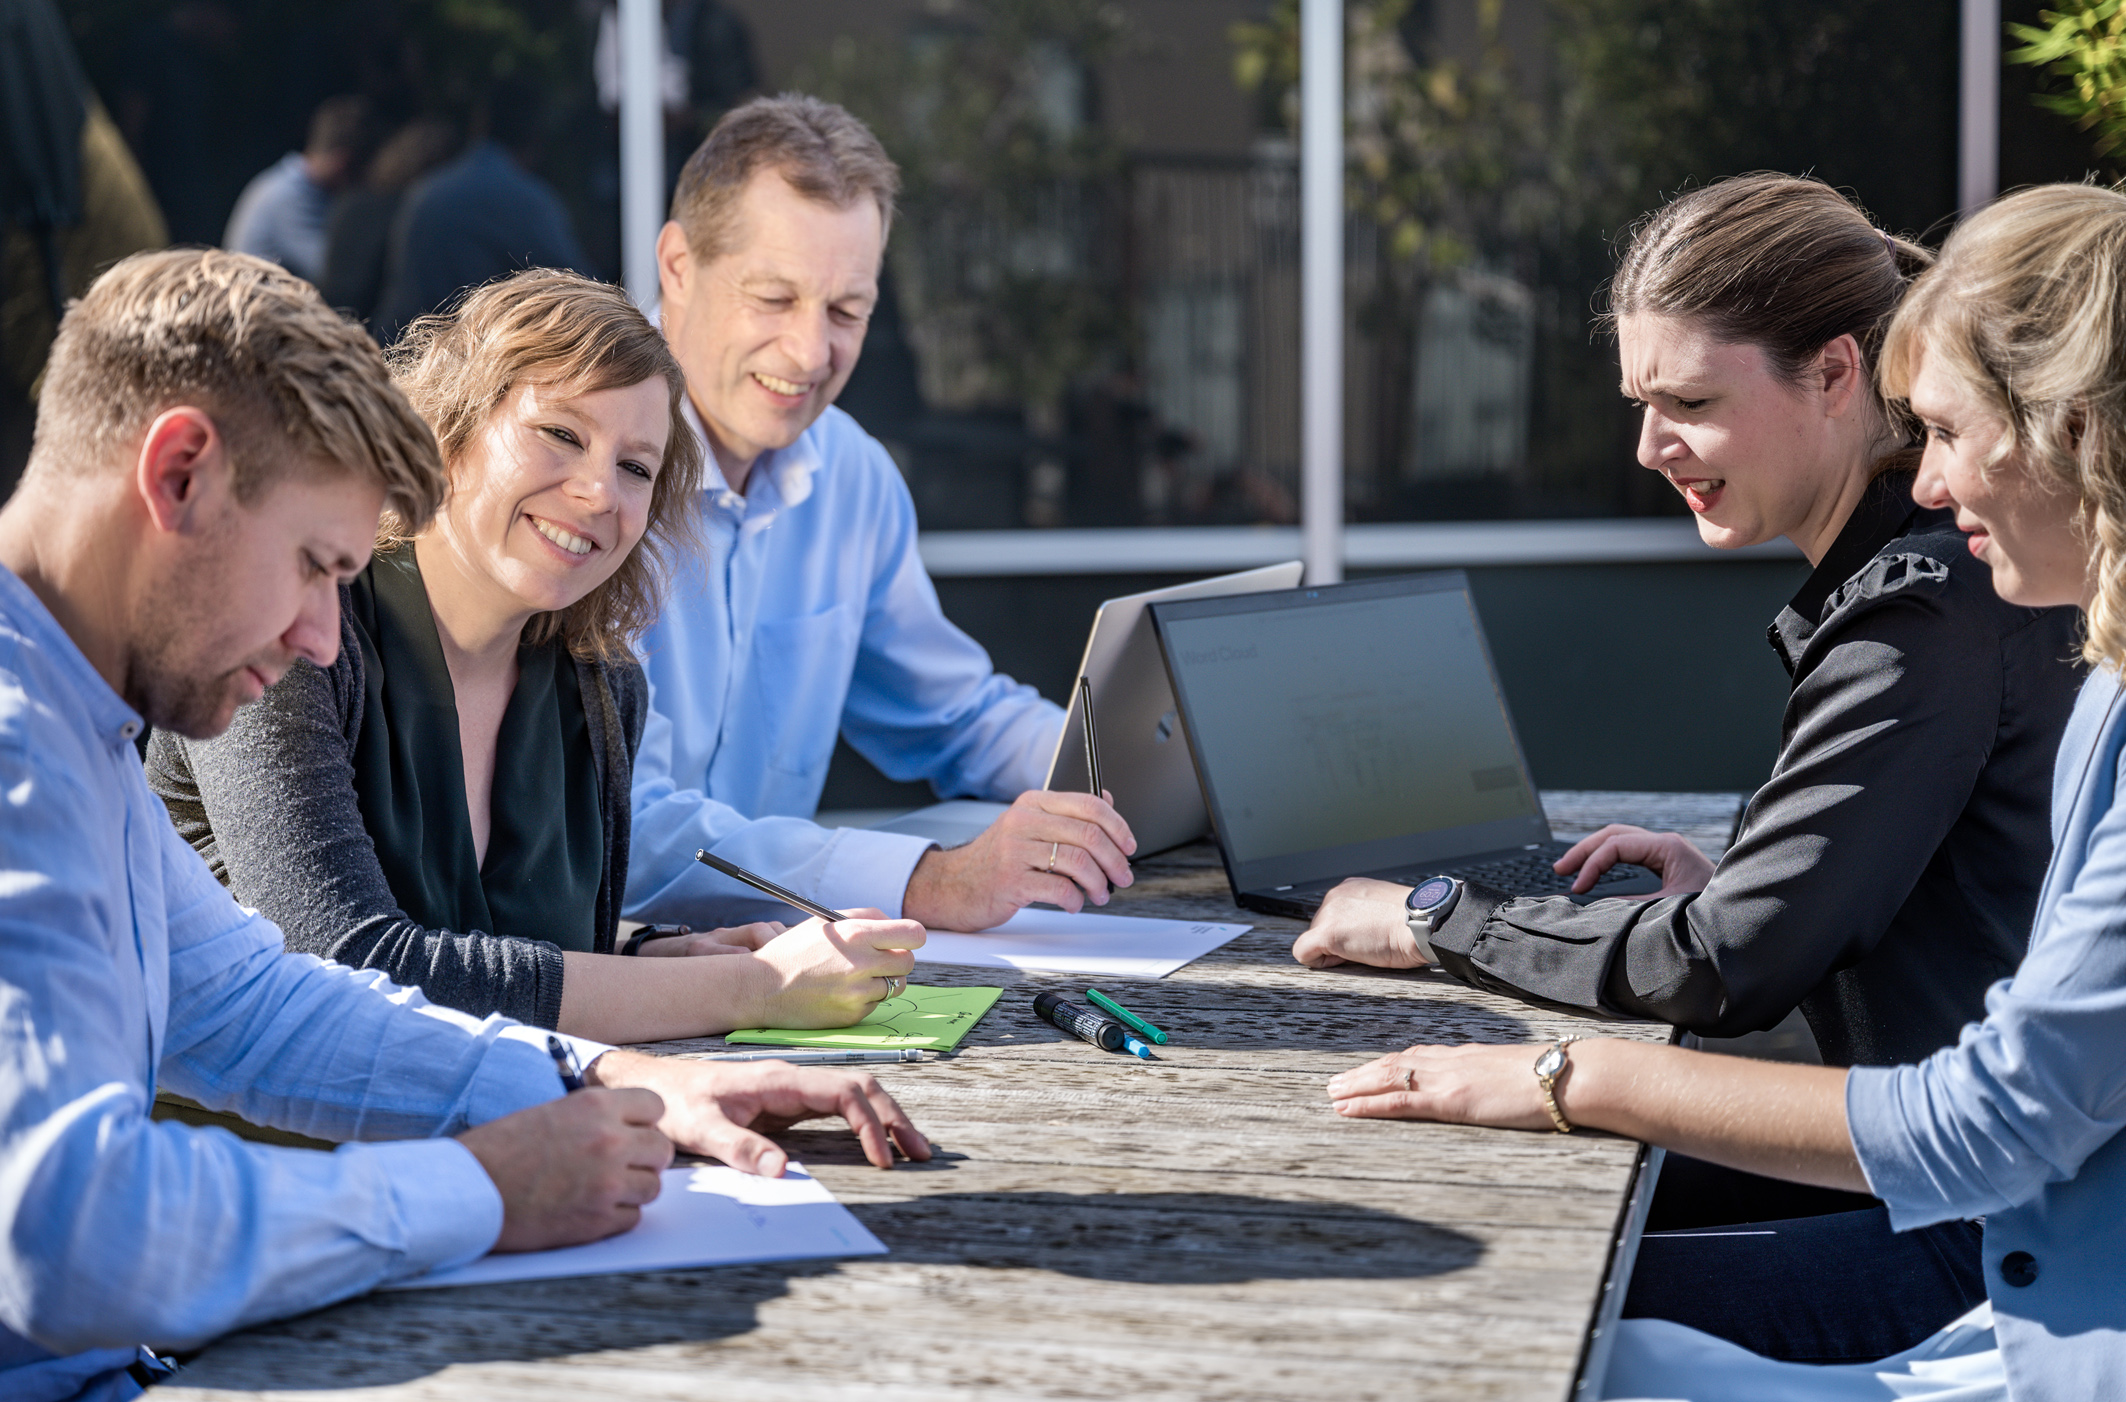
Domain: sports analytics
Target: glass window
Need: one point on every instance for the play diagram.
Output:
(1092, 299)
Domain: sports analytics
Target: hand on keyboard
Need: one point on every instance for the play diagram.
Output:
(1671, 856)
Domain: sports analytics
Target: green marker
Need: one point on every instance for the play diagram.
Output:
(1129, 1019)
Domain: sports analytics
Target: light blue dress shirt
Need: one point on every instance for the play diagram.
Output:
(2019, 1121)
(810, 615)
(124, 965)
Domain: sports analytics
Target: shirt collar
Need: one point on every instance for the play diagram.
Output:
(1880, 517)
(108, 714)
(786, 472)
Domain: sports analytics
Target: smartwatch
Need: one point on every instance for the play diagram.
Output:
(643, 936)
(1427, 908)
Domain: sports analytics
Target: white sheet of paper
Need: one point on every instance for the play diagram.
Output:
(704, 1217)
(1117, 946)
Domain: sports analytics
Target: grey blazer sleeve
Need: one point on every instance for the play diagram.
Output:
(1886, 739)
(271, 805)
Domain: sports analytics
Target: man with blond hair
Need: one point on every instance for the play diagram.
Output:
(814, 615)
(214, 447)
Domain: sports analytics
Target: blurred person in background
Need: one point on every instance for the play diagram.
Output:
(71, 202)
(281, 214)
(358, 228)
(478, 217)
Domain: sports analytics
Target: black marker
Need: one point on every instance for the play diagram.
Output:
(1086, 1025)
(571, 1078)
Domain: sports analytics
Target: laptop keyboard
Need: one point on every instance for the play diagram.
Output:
(1523, 874)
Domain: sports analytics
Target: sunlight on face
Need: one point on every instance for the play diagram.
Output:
(551, 495)
(1744, 447)
(769, 331)
(256, 591)
(2015, 521)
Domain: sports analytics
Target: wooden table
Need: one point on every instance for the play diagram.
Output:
(1199, 1227)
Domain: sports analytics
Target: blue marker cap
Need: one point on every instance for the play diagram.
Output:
(1131, 1044)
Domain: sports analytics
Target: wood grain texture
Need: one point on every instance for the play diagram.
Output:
(1201, 1226)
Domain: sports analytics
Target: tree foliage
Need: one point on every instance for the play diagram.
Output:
(2085, 44)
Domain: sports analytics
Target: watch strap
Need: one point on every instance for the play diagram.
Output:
(643, 936)
(1548, 1080)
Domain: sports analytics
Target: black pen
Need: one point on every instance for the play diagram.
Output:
(571, 1078)
(761, 883)
(1092, 746)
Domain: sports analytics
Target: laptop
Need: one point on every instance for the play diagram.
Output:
(1358, 730)
(1144, 762)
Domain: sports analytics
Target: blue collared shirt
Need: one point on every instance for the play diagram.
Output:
(124, 965)
(281, 215)
(810, 615)
(2020, 1121)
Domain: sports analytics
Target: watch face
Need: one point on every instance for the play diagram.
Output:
(1550, 1062)
(1431, 893)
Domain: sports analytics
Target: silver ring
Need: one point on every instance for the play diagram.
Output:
(1410, 1078)
(894, 984)
(1053, 848)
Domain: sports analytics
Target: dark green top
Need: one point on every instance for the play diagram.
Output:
(546, 840)
(272, 806)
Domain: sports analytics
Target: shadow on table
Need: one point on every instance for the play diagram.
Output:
(1167, 1238)
(1138, 1238)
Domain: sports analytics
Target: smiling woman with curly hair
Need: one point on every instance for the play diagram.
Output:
(449, 800)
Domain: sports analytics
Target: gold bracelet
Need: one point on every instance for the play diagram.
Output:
(1548, 1067)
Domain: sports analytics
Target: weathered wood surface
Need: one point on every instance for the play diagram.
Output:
(1198, 1227)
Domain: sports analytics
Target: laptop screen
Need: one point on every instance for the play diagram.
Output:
(1357, 723)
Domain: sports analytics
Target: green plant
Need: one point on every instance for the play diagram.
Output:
(2086, 45)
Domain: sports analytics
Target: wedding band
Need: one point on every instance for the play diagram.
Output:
(1053, 848)
(1409, 1078)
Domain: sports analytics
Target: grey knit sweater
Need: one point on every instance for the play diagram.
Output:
(271, 805)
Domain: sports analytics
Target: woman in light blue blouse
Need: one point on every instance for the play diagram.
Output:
(2012, 354)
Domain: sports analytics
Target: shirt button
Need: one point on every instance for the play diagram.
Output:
(129, 729)
(2019, 1268)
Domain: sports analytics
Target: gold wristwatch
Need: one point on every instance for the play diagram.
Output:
(1548, 1067)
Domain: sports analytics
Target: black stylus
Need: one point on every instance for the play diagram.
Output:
(761, 883)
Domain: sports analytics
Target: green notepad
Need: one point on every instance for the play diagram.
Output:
(931, 1018)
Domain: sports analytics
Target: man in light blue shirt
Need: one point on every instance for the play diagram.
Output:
(213, 448)
(813, 615)
(280, 216)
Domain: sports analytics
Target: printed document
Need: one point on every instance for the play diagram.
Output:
(1109, 946)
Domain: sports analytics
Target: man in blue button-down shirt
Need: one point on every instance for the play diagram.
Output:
(213, 448)
(813, 614)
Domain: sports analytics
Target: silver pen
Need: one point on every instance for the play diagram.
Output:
(824, 1057)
